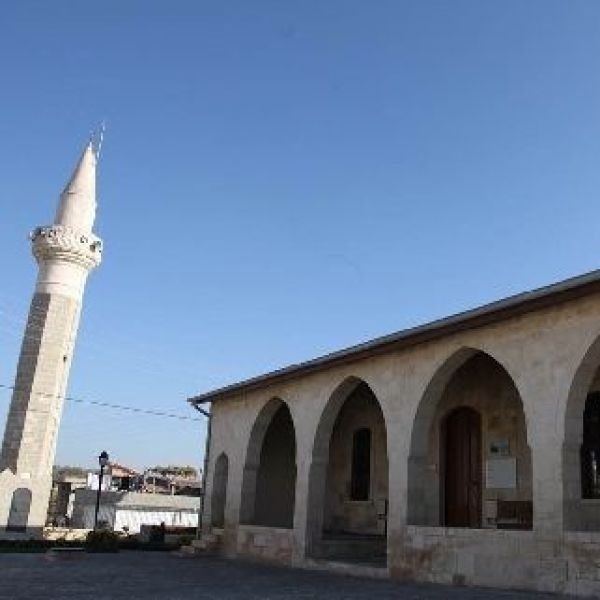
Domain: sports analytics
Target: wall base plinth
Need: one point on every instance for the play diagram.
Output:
(504, 559)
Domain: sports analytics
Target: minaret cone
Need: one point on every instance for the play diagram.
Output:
(77, 208)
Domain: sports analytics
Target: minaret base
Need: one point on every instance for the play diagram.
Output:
(23, 506)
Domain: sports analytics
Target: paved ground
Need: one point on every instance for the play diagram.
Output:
(152, 575)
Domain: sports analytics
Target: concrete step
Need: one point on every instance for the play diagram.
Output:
(207, 544)
(371, 549)
(210, 538)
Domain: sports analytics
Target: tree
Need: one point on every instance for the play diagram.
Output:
(177, 471)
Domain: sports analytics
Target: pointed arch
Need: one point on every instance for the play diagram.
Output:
(348, 476)
(219, 491)
(19, 510)
(269, 478)
(469, 378)
(576, 514)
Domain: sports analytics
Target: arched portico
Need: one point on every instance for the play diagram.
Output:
(348, 478)
(581, 458)
(469, 462)
(269, 477)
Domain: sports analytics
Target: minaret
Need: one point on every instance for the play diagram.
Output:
(65, 252)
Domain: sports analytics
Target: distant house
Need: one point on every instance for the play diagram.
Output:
(157, 482)
(128, 511)
(122, 478)
(65, 480)
(129, 498)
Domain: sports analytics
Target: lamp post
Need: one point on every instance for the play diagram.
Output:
(103, 461)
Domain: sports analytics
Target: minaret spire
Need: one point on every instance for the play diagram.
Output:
(77, 207)
(66, 252)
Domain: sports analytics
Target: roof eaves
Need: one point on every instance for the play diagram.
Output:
(476, 317)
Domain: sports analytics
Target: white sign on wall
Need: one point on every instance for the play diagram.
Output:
(501, 473)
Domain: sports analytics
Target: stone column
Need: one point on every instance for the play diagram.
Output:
(541, 400)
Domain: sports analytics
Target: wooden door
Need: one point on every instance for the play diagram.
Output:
(462, 462)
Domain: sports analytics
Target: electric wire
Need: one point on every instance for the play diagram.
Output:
(143, 366)
(17, 327)
(143, 363)
(123, 407)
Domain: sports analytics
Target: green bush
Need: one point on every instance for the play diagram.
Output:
(102, 541)
(135, 544)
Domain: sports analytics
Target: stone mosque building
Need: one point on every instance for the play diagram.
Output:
(465, 451)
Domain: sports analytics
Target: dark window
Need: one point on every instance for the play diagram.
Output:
(361, 465)
(590, 449)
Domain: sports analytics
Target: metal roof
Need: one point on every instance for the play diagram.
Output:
(512, 306)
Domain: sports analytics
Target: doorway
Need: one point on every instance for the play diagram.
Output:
(462, 468)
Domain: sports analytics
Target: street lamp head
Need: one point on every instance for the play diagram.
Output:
(103, 458)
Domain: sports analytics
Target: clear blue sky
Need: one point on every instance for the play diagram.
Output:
(282, 179)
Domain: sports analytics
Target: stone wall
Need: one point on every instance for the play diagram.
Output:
(510, 559)
(582, 552)
(504, 559)
(265, 543)
(66, 534)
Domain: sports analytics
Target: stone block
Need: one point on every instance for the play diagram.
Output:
(261, 540)
(465, 565)
(586, 588)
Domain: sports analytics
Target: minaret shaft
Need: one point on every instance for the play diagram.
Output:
(40, 384)
(66, 252)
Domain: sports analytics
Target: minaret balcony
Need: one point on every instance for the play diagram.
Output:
(61, 242)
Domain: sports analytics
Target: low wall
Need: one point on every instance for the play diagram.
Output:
(65, 533)
(567, 563)
(582, 551)
(265, 543)
(496, 558)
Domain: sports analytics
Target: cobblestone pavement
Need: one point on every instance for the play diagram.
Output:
(151, 575)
